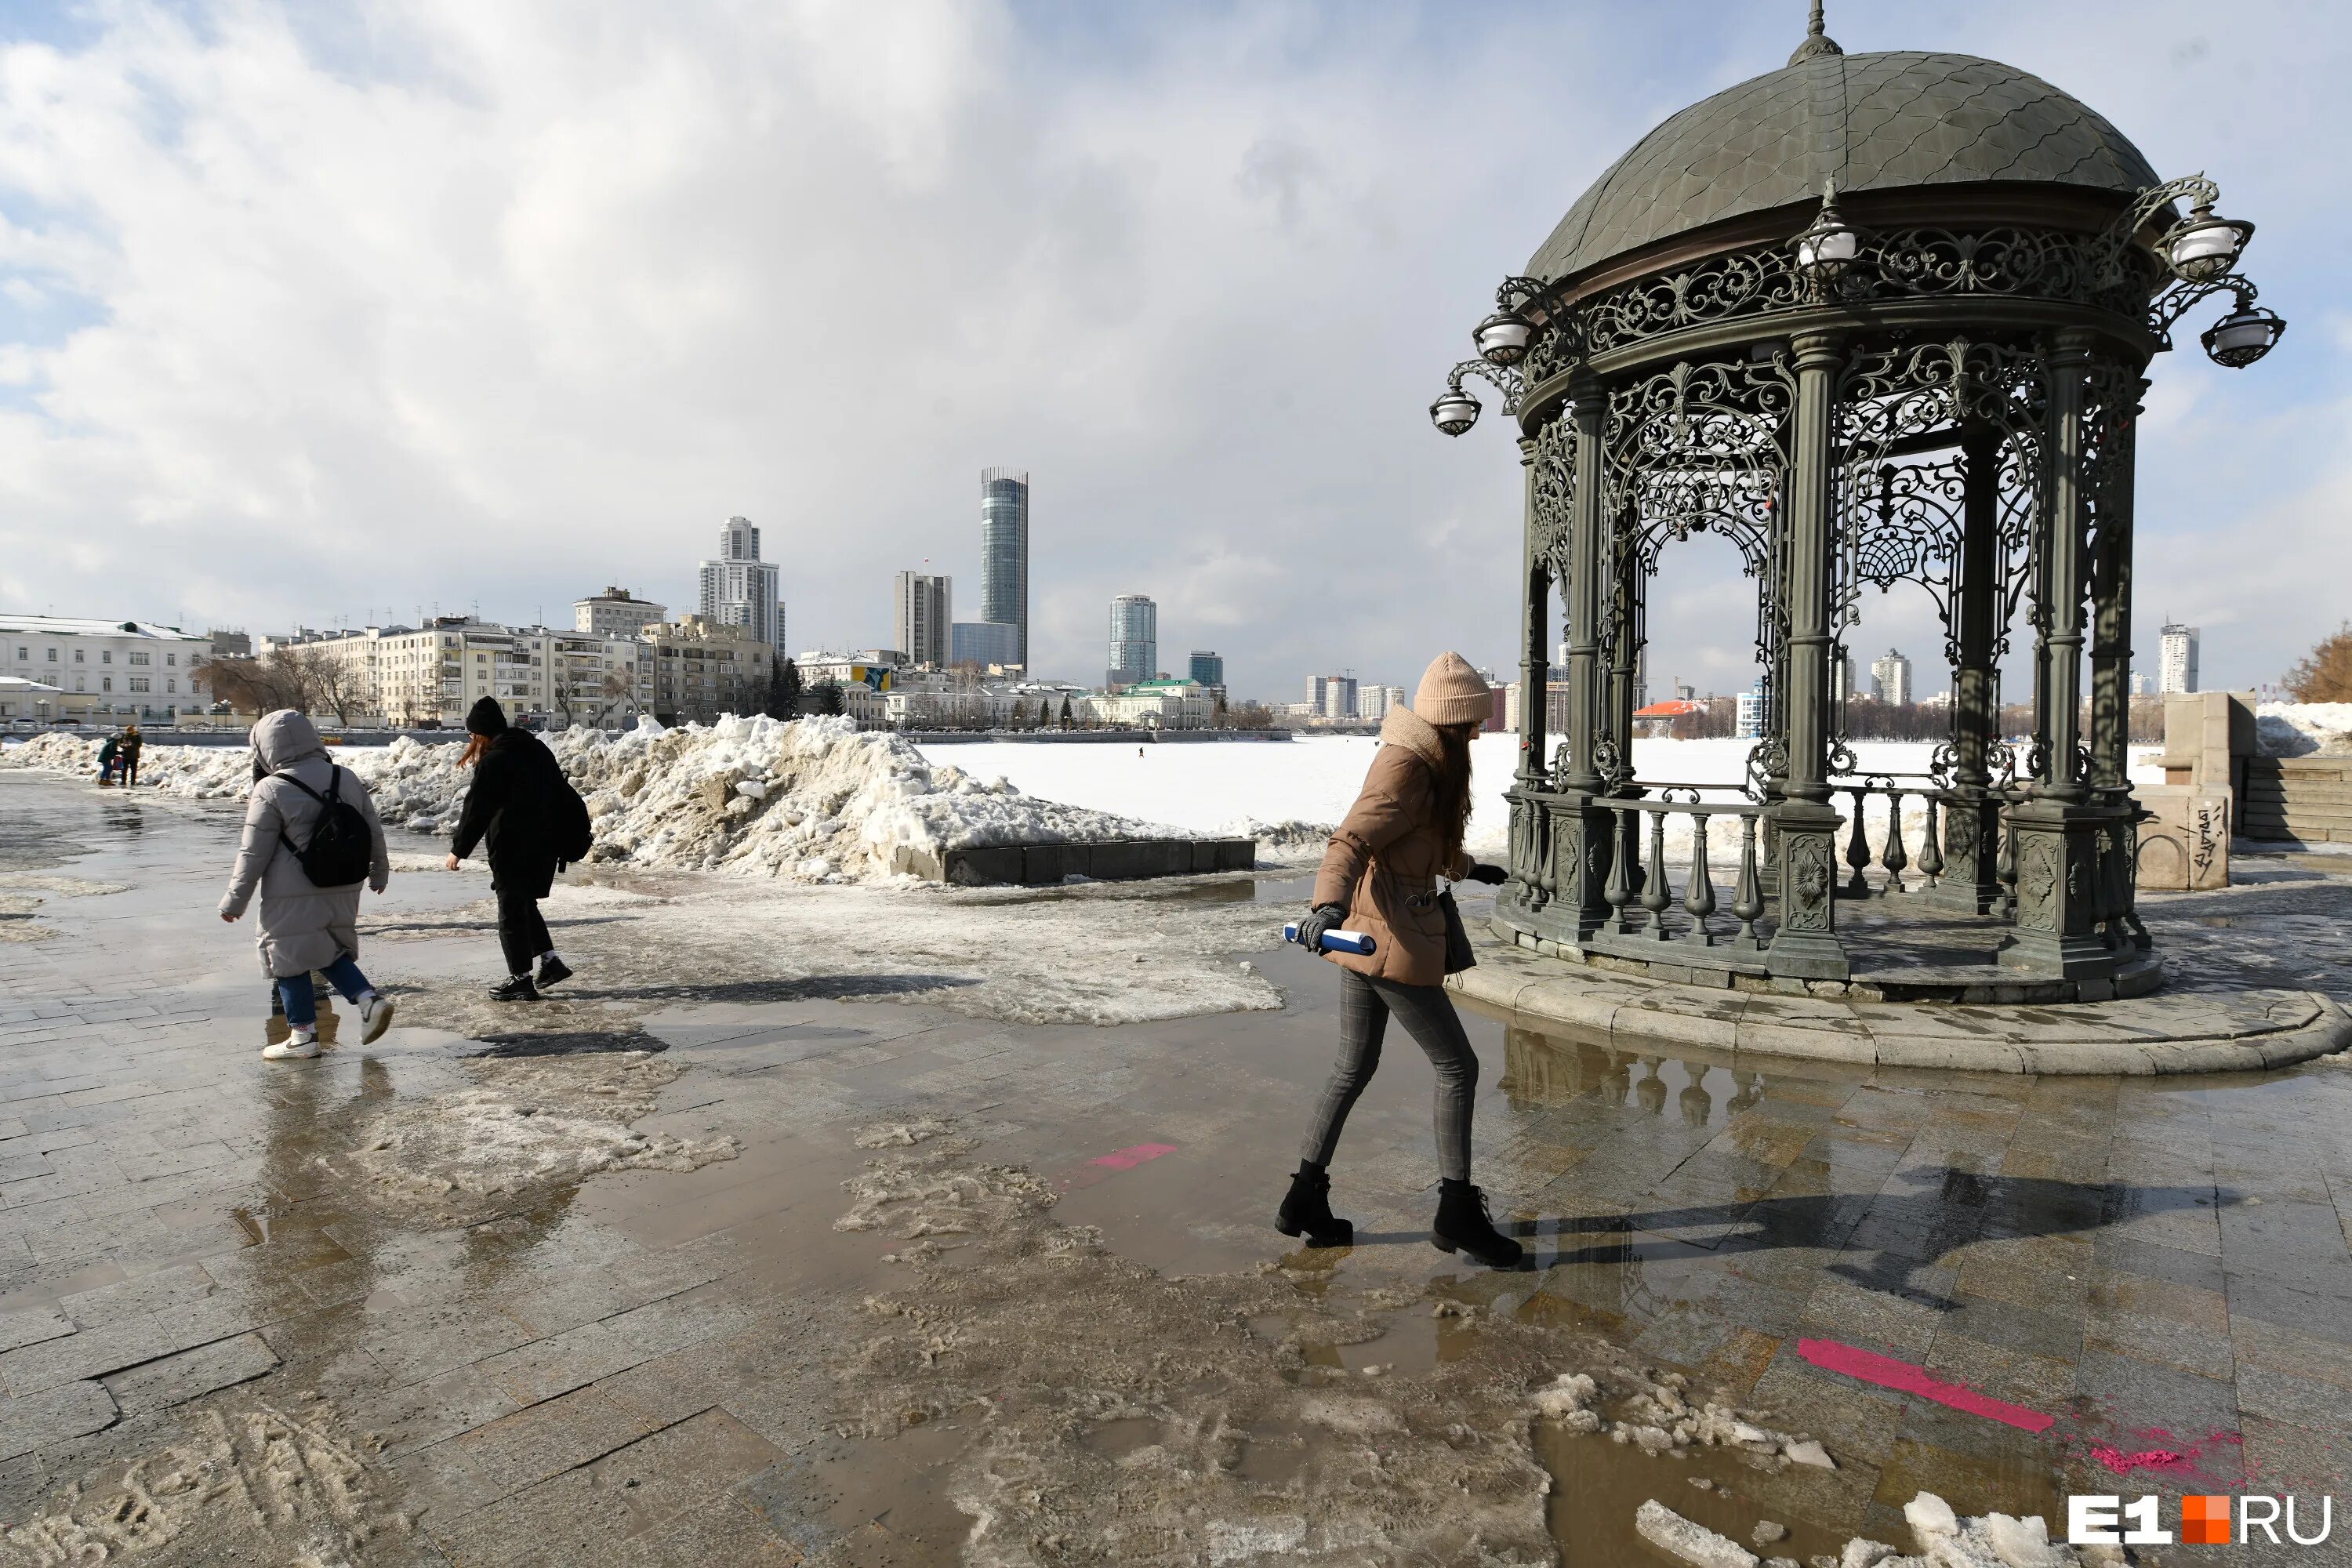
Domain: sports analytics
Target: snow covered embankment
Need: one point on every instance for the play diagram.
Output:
(813, 801)
(2303, 729)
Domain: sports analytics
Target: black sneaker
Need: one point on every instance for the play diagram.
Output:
(518, 989)
(551, 970)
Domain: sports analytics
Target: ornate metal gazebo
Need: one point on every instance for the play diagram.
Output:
(1871, 318)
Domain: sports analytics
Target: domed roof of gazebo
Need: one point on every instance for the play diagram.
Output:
(1873, 122)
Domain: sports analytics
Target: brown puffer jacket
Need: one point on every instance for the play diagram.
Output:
(1384, 862)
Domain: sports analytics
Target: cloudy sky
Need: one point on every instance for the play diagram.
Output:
(328, 313)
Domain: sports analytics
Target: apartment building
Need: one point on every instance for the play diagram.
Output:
(407, 675)
(702, 668)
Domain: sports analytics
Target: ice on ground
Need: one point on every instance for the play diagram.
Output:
(250, 1481)
(1092, 954)
(2303, 729)
(528, 1124)
(1692, 1543)
(1994, 1540)
(810, 801)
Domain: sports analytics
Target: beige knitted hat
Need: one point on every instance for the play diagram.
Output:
(1452, 692)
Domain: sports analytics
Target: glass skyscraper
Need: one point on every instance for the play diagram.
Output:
(1134, 639)
(1005, 552)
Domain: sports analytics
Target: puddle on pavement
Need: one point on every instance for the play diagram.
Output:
(567, 1043)
(1598, 1484)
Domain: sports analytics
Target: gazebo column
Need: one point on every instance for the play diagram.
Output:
(2059, 830)
(2111, 597)
(1972, 814)
(1624, 669)
(1579, 830)
(1526, 891)
(1806, 944)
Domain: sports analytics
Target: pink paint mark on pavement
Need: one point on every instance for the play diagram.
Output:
(1128, 1159)
(2180, 1461)
(1887, 1373)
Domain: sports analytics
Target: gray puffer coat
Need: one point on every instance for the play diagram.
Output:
(302, 926)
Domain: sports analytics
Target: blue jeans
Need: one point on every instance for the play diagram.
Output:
(302, 1004)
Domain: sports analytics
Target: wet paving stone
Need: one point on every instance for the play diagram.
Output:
(646, 1366)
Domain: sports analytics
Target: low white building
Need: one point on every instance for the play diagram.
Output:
(1170, 704)
(107, 672)
(27, 701)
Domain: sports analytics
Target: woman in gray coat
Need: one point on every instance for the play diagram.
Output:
(303, 926)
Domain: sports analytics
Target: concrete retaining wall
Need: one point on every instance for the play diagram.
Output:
(1047, 865)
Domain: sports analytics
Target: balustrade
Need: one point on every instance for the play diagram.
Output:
(1641, 897)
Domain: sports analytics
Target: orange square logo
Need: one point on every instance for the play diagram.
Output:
(2205, 1520)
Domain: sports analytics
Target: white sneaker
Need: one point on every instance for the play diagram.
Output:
(298, 1047)
(375, 1017)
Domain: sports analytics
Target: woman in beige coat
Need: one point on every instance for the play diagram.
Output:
(1380, 875)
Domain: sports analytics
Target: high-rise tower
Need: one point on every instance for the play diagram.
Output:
(738, 589)
(1134, 639)
(921, 611)
(1005, 552)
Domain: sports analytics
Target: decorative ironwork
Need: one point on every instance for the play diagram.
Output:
(1696, 448)
(1767, 760)
(1554, 491)
(1918, 262)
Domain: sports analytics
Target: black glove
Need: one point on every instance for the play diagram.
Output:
(1493, 876)
(1311, 929)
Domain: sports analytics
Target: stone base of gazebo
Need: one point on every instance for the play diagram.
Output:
(1909, 948)
(2190, 1032)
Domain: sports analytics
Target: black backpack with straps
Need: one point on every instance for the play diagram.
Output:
(342, 848)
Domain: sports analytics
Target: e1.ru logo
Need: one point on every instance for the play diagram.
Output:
(2094, 1521)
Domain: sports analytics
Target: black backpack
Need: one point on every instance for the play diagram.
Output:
(342, 848)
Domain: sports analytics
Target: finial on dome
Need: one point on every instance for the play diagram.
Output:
(1817, 41)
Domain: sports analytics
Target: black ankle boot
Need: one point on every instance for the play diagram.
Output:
(1308, 1208)
(1463, 1224)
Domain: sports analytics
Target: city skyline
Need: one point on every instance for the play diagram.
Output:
(659, 363)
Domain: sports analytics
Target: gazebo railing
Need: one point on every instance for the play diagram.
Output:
(1891, 855)
(1643, 910)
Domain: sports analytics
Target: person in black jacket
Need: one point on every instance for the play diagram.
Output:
(511, 811)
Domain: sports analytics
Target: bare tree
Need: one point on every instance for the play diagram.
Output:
(329, 684)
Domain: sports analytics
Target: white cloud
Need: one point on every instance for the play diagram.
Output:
(334, 312)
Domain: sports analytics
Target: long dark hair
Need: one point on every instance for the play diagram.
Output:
(1453, 776)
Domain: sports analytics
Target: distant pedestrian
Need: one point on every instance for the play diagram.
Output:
(126, 756)
(107, 752)
(1379, 875)
(311, 838)
(525, 812)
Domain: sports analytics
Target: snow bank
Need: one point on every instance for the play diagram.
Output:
(813, 801)
(2303, 729)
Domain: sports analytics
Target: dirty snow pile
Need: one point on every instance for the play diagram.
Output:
(2303, 729)
(813, 801)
